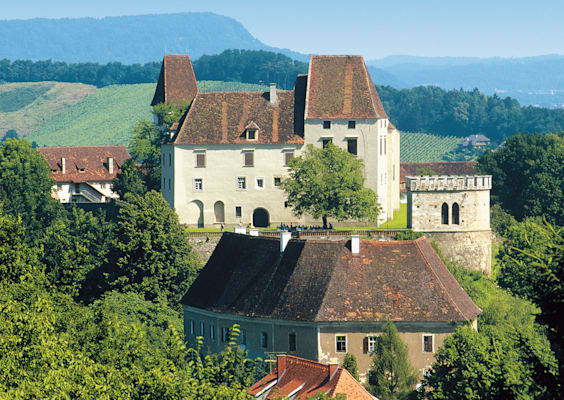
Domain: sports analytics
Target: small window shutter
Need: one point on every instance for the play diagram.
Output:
(288, 156)
(249, 159)
(365, 345)
(200, 160)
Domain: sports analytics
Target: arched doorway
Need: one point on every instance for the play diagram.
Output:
(444, 214)
(455, 214)
(219, 211)
(261, 218)
(196, 213)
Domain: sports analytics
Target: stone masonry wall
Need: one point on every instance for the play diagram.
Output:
(204, 246)
(473, 250)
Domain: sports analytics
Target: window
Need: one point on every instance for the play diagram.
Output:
(393, 172)
(371, 343)
(352, 146)
(285, 204)
(326, 142)
(200, 160)
(326, 124)
(224, 334)
(202, 328)
(277, 181)
(212, 331)
(244, 337)
(169, 159)
(292, 342)
(341, 344)
(198, 184)
(251, 134)
(385, 144)
(455, 214)
(260, 183)
(288, 155)
(249, 158)
(169, 185)
(241, 183)
(381, 147)
(444, 214)
(352, 124)
(264, 340)
(192, 329)
(427, 343)
(238, 211)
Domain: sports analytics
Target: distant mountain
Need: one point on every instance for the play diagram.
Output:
(129, 40)
(531, 80)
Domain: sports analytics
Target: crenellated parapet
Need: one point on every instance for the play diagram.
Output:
(448, 183)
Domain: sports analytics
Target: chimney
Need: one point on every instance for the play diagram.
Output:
(273, 95)
(333, 366)
(355, 244)
(253, 232)
(110, 165)
(280, 364)
(63, 165)
(241, 230)
(284, 239)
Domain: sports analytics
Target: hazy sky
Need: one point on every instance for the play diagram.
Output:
(484, 28)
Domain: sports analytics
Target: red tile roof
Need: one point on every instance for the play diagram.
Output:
(177, 82)
(320, 280)
(304, 378)
(92, 159)
(440, 168)
(341, 87)
(223, 117)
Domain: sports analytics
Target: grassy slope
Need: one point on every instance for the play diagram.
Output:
(425, 147)
(108, 115)
(24, 107)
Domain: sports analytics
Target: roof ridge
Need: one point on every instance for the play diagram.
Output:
(417, 241)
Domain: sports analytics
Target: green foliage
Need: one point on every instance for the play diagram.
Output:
(500, 220)
(25, 187)
(391, 375)
(169, 113)
(464, 154)
(425, 147)
(152, 256)
(425, 171)
(408, 235)
(19, 98)
(528, 176)
(129, 180)
(145, 149)
(329, 183)
(350, 364)
(465, 112)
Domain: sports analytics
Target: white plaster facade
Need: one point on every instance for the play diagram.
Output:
(98, 192)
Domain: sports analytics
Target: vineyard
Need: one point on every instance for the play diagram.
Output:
(108, 115)
(425, 147)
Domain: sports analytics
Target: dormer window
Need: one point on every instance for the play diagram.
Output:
(81, 170)
(251, 134)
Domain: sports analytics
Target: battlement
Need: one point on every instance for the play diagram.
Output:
(448, 183)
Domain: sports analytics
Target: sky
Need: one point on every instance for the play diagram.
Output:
(374, 29)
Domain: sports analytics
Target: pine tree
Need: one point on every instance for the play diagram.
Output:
(391, 375)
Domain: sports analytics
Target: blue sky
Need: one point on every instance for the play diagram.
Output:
(372, 28)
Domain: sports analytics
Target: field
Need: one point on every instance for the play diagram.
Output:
(425, 147)
(24, 107)
(108, 115)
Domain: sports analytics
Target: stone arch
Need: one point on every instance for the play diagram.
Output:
(455, 214)
(196, 213)
(444, 214)
(219, 211)
(261, 218)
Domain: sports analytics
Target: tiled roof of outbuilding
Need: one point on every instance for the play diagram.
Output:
(92, 159)
(440, 168)
(177, 82)
(222, 117)
(341, 87)
(317, 280)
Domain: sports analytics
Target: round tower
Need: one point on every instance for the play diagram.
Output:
(455, 212)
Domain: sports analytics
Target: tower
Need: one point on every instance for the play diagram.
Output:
(455, 212)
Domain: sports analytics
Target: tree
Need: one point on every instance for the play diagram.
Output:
(528, 176)
(391, 375)
(350, 364)
(329, 183)
(25, 187)
(152, 255)
(129, 180)
(533, 267)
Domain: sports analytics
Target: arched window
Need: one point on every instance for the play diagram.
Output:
(219, 211)
(444, 214)
(455, 214)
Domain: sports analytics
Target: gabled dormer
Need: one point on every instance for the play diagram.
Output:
(252, 131)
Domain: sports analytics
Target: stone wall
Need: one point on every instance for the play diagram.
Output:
(472, 250)
(204, 246)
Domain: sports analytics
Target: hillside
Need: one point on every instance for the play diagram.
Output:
(26, 106)
(108, 115)
(128, 39)
(425, 147)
